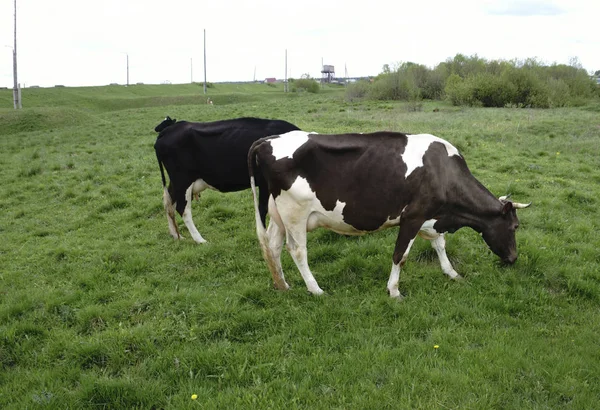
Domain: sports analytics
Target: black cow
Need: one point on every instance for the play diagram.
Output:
(359, 183)
(211, 155)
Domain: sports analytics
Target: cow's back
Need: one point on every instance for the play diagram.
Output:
(215, 151)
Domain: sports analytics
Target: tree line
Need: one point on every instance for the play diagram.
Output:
(475, 81)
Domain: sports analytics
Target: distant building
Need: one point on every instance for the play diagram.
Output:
(270, 80)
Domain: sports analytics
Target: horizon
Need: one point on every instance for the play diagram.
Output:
(74, 44)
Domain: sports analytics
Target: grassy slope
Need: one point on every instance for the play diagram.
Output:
(99, 307)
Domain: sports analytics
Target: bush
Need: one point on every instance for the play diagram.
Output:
(435, 80)
(402, 84)
(493, 91)
(457, 92)
(357, 90)
(559, 94)
(305, 84)
(475, 81)
(526, 84)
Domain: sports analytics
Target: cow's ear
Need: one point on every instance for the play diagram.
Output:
(508, 206)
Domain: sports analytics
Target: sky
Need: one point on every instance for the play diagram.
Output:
(86, 43)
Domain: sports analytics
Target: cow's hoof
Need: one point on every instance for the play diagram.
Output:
(395, 294)
(457, 277)
(282, 288)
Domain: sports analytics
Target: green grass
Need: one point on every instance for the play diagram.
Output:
(100, 308)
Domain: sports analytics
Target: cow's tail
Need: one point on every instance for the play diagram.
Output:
(162, 170)
(261, 231)
(253, 169)
(168, 201)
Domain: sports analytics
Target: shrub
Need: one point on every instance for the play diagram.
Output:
(477, 82)
(490, 90)
(435, 80)
(357, 90)
(456, 91)
(559, 94)
(305, 84)
(402, 84)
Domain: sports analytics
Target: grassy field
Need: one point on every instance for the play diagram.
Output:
(101, 309)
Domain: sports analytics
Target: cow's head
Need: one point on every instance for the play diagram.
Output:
(499, 233)
(168, 121)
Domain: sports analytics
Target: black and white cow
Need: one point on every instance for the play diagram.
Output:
(211, 155)
(358, 183)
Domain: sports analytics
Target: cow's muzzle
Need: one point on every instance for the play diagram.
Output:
(509, 260)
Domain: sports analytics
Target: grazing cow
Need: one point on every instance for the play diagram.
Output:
(211, 155)
(358, 183)
(166, 123)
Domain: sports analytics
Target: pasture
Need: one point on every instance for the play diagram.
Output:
(100, 308)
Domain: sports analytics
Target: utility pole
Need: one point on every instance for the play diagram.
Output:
(191, 71)
(346, 74)
(127, 69)
(204, 61)
(285, 83)
(16, 88)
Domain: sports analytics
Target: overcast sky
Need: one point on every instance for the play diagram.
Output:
(77, 42)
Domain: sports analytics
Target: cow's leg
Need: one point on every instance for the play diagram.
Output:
(294, 216)
(296, 245)
(187, 215)
(276, 233)
(272, 245)
(394, 279)
(439, 244)
(170, 211)
(408, 231)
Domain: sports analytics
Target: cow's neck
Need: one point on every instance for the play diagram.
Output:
(471, 204)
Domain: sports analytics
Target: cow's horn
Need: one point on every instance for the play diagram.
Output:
(517, 205)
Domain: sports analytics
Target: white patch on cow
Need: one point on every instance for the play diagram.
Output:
(200, 185)
(286, 144)
(391, 222)
(427, 231)
(301, 197)
(417, 145)
(187, 212)
(300, 194)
